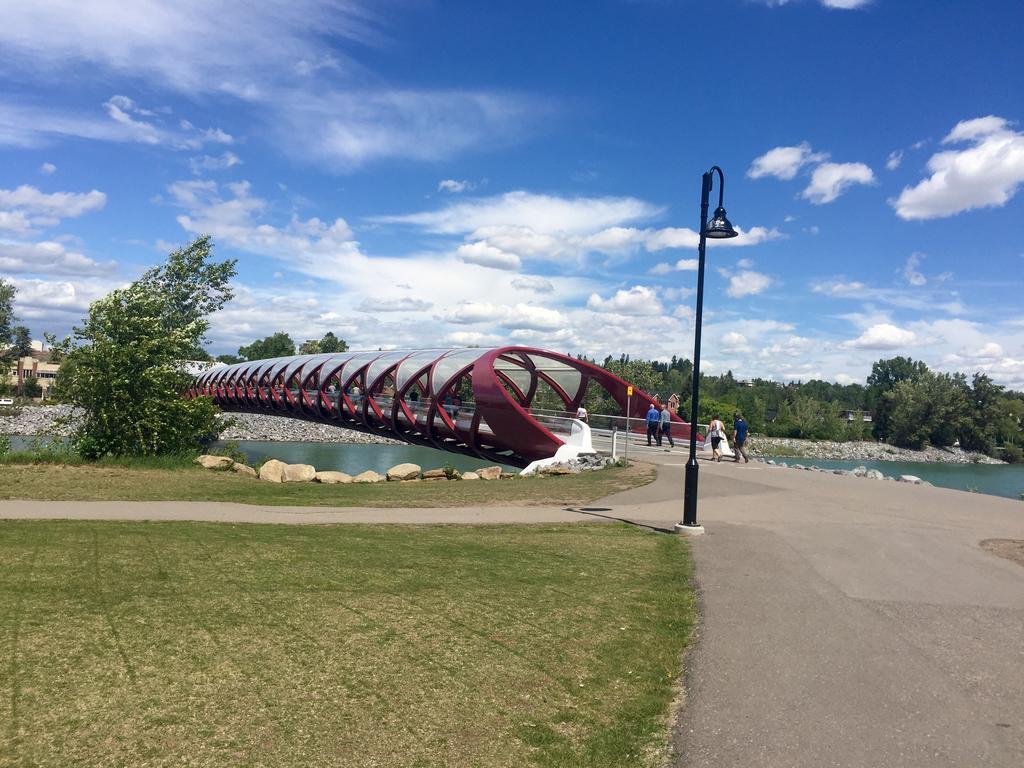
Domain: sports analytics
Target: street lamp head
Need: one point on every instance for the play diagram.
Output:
(719, 227)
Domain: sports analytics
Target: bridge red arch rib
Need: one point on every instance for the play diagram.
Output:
(472, 401)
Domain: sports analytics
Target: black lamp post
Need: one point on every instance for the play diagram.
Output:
(718, 228)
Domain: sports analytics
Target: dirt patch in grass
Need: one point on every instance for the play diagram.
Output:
(50, 482)
(1011, 549)
(166, 644)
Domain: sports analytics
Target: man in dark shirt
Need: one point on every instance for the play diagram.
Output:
(739, 437)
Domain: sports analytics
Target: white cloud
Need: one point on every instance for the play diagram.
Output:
(910, 271)
(882, 336)
(47, 169)
(986, 173)
(840, 289)
(748, 283)
(682, 237)
(404, 304)
(214, 162)
(306, 245)
(32, 126)
(830, 180)
(533, 283)
(846, 5)
(638, 300)
(488, 256)
(893, 161)
(347, 129)
(51, 207)
(48, 258)
(519, 315)
(733, 342)
(282, 59)
(990, 350)
(474, 339)
(522, 225)
(231, 46)
(544, 214)
(454, 185)
(784, 162)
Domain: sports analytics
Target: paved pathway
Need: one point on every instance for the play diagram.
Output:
(845, 622)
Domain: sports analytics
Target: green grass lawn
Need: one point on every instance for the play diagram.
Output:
(170, 644)
(54, 482)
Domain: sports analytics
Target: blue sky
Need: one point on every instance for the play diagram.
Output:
(412, 174)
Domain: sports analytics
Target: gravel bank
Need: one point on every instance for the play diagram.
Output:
(40, 420)
(826, 449)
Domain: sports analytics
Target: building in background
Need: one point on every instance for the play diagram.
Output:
(37, 365)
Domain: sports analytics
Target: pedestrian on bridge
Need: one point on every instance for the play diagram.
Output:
(653, 424)
(666, 426)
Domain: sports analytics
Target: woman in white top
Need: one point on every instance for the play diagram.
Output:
(716, 431)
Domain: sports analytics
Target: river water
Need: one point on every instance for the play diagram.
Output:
(994, 479)
(353, 459)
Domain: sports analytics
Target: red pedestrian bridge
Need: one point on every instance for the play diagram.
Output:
(479, 402)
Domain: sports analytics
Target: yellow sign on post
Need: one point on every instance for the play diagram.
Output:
(629, 391)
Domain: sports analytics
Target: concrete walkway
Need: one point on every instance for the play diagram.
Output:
(845, 622)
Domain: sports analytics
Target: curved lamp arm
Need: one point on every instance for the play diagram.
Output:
(721, 184)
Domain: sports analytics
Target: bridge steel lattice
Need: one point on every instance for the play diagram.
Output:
(470, 401)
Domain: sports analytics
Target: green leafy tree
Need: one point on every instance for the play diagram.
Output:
(884, 378)
(126, 371)
(21, 339)
(980, 430)
(309, 347)
(229, 359)
(931, 409)
(30, 387)
(331, 344)
(279, 344)
(7, 319)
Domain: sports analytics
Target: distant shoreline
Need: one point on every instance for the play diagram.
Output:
(787, 447)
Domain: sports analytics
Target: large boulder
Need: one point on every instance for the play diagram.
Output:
(214, 462)
(435, 474)
(471, 476)
(914, 479)
(404, 472)
(299, 473)
(489, 473)
(273, 471)
(330, 478)
(874, 474)
(244, 469)
(369, 476)
(556, 469)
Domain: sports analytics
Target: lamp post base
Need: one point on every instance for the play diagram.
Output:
(689, 530)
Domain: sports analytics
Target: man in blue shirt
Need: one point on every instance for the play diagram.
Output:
(654, 424)
(739, 437)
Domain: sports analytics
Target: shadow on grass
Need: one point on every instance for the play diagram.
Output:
(596, 512)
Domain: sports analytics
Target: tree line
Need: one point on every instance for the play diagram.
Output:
(909, 405)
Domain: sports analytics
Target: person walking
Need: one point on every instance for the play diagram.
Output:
(716, 431)
(582, 415)
(653, 424)
(739, 437)
(666, 426)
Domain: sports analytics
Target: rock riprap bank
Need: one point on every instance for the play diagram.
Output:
(275, 471)
(863, 451)
(869, 474)
(46, 420)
